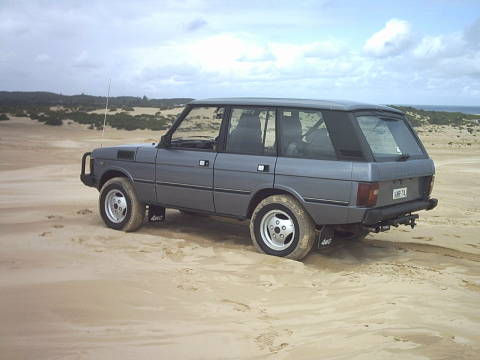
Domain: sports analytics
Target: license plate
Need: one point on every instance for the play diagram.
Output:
(399, 193)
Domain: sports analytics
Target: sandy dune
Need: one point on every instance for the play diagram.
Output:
(194, 288)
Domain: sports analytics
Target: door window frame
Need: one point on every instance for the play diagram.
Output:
(221, 148)
(279, 130)
(188, 109)
(223, 133)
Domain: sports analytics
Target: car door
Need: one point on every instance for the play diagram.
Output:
(184, 166)
(308, 164)
(246, 163)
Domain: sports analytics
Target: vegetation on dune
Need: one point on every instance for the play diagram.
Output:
(418, 117)
(82, 115)
(53, 109)
(41, 106)
(121, 120)
(43, 98)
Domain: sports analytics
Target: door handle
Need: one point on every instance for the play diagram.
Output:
(203, 163)
(263, 168)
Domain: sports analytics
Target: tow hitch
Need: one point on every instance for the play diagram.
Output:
(384, 225)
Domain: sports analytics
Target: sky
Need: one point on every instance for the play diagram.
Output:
(386, 52)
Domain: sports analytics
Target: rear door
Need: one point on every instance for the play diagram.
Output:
(247, 162)
(184, 170)
(402, 167)
(307, 165)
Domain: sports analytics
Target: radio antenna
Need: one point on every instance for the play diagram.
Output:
(106, 109)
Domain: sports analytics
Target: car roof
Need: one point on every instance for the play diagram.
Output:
(343, 105)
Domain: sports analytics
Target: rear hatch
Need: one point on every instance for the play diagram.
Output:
(402, 167)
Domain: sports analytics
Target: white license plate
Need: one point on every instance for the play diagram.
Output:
(399, 193)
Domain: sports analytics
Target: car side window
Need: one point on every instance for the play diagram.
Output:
(304, 134)
(251, 131)
(199, 129)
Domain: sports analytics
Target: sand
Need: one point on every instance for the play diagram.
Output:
(194, 287)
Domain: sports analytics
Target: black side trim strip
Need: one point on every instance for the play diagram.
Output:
(197, 187)
(144, 181)
(232, 191)
(324, 201)
(202, 211)
(187, 186)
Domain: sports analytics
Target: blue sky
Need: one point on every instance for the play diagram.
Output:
(403, 52)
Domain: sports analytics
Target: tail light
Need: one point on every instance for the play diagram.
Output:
(430, 185)
(367, 194)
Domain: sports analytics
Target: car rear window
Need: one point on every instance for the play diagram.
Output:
(389, 138)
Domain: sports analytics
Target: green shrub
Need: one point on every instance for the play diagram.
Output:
(20, 113)
(3, 117)
(54, 121)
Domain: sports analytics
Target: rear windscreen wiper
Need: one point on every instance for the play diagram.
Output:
(403, 157)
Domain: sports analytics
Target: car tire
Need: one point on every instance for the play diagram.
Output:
(280, 226)
(119, 205)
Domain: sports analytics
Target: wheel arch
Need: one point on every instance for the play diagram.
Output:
(266, 192)
(112, 173)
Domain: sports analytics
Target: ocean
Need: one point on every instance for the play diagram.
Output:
(450, 108)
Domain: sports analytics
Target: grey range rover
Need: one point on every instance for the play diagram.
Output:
(304, 172)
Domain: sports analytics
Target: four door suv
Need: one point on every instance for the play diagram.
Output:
(300, 170)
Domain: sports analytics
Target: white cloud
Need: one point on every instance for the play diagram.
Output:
(430, 46)
(13, 26)
(84, 60)
(325, 49)
(40, 58)
(202, 48)
(392, 40)
(196, 24)
(472, 34)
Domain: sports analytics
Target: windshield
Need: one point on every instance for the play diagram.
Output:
(390, 138)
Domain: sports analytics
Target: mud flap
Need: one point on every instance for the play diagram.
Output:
(325, 237)
(156, 213)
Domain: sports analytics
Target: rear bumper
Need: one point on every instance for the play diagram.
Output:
(87, 179)
(374, 216)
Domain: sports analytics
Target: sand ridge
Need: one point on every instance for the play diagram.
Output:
(194, 288)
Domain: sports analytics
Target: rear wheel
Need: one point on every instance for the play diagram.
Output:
(280, 226)
(119, 206)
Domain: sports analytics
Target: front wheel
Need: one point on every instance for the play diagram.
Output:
(280, 226)
(119, 206)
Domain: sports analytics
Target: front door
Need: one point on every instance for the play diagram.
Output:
(184, 170)
(247, 163)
